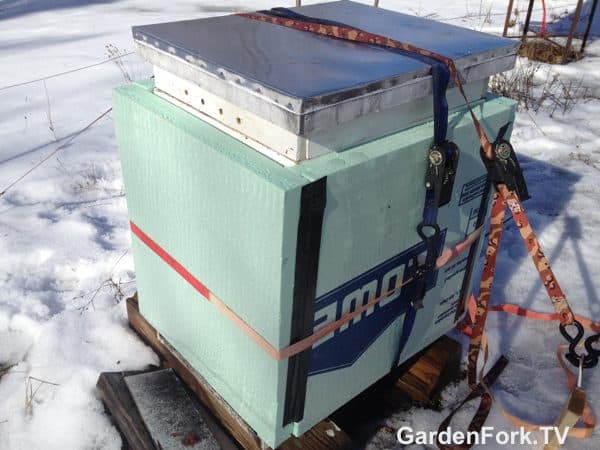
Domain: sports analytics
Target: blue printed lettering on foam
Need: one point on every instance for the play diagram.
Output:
(344, 346)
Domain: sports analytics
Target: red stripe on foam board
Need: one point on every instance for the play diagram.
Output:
(203, 290)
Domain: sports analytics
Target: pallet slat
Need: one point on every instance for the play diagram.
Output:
(169, 411)
(120, 403)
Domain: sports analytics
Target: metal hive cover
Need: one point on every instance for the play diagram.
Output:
(288, 76)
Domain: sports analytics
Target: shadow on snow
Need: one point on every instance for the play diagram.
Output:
(15, 8)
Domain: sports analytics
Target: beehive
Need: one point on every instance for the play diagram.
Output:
(284, 172)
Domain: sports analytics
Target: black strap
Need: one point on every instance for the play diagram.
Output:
(308, 245)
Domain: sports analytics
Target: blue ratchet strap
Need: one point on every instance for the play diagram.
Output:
(442, 161)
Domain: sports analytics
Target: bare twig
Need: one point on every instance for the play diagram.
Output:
(110, 283)
(487, 17)
(584, 158)
(49, 112)
(116, 56)
(63, 168)
(552, 94)
(43, 381)
(536, 124)
(516, 84)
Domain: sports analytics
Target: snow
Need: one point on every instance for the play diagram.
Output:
(64, 236)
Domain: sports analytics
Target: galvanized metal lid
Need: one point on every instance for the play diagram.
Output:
(304, 82)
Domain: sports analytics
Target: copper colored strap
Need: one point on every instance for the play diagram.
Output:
(556, 294)
(588, 418)
(446, 257)
(485, 288)
(517, 310)
(479, 309)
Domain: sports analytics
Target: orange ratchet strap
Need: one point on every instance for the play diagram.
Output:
(477, 314)
(445, 258)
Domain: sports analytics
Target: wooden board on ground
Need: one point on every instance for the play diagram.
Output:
(119, 402)
(426, 374)
(170, 415)
(122, 405)
(417, 381)
(239, 429)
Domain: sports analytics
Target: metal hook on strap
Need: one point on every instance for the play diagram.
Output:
(591, 356)
(429, 233)
(428, 238)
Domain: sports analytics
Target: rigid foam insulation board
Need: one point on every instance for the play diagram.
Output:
(230, 216)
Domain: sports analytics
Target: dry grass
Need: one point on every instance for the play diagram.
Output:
(516, 84)
(532, 90)
(30, 391)
(49, 113)
(114, 53)
(584, 158)
(115, 288)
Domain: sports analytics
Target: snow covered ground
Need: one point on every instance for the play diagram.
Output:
(64, 240)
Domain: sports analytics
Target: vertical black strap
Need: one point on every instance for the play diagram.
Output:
(308, 245)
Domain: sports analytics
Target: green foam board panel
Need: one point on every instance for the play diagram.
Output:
(230, 215)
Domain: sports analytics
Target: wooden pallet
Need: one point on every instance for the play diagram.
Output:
(417, 381)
